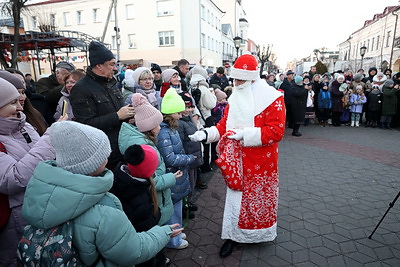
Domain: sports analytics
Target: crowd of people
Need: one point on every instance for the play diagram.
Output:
(119, 152)
(340, 98)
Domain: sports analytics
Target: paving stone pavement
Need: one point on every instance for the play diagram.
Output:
(335, 185)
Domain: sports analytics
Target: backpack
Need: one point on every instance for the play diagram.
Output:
(196, 94)
(48, 247)
(5, 211)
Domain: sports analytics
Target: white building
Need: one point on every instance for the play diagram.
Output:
(159, 31)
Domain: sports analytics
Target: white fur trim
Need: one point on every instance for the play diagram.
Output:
(264, 95)
(252, 136)
(213, 134)
(247, 75)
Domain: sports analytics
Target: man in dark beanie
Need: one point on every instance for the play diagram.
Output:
(156, 70)
(97, 101)
(219, 78)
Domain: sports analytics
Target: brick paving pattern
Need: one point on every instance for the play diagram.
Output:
(335, 185)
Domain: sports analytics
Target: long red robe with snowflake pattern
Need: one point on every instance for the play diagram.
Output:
(250, 216)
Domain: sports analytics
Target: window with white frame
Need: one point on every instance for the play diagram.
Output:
(53, 20)
(377, 42)
(209, 43)
(203, 12)
(113, 42)
(129, 12)
(164, 8)
(34, 22)
(96, 15)
(388, 38)
(80, 19)
(372, 44)
(67, 19)
(208, 16)
(166, 38)
(203, 40)
(132, 40)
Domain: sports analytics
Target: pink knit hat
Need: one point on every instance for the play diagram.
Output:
(147, 117)
(8, 92)
(220, 94)
(167, 75)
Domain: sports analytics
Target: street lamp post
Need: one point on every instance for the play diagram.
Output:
(363, 50)
(237, 40)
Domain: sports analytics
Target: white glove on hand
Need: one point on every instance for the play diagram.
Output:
(198, 136)
(239, 133)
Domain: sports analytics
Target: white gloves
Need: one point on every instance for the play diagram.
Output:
(239, 133)
(198, 136)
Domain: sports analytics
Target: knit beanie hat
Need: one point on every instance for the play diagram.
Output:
(8, 92)
(220, 94)
(167, 74)
(80, 148)
(340, 76)
(298, 80)
(187, 98)
(220, 70)
(197, 74)
(65, 65)
(139, 71)
(129, 81)
(147, 117)
(245, 68)
(172, 102)
(154, 67)
(12, 78)
(98, 53)
(142, 160)
(357, 76)
(389, 83)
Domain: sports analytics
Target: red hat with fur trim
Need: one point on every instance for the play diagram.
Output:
(245, 68)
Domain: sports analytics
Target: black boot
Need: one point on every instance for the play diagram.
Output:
(227, 248)
(296, 130)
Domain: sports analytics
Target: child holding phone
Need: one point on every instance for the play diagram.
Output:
(64, 106)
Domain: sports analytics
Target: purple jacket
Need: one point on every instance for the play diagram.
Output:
(16, 168)
(356, 103)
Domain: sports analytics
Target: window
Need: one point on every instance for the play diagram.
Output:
(388, 38)
(166, 38)
(129, 11)
(131, 40)
(372, 44)
(34, 22)
(377, 42)
(164, 8)
(203, 12)
(96, 15)
(368, 45)
(53, 20)
(212, 44)
(203, 40)
(113, 42)
(209, 43)
(67, 20)
(208, 16)
(80, 17)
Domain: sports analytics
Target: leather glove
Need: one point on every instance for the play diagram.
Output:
(198, 136)
(239, 133)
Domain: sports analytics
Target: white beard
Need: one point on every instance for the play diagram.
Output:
(241, 107)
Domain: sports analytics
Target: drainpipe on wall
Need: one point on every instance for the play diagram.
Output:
(394, 36)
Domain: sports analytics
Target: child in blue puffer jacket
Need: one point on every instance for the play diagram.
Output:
(171, 148)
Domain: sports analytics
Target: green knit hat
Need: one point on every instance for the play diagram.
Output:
(172, 102)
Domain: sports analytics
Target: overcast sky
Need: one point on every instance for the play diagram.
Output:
(296, 28)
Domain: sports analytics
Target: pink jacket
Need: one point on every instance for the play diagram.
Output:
(16, 168)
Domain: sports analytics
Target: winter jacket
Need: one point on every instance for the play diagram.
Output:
(188, 127)
(218, 111)
(207, 102)
(65, 96)
(55, 196)
(298, 102)
(356, 103)
(221, 82)
(389, 102)
(16, 168)
(336, 96)
(286, 86)
(135, 196)
(95, 101)
(324, 99)
(129, 135)
(51, 89)
(171, 149)
(374, 101)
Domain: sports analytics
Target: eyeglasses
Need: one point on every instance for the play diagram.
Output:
(147, 79)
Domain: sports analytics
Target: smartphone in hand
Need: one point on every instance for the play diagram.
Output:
(64, 108)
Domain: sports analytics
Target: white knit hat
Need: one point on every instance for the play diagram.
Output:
(197, 74)
(245, 68)
(8, 92)
(139, 71)
(80, 148)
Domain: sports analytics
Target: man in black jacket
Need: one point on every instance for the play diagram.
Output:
(97, 101)
(286, 86)
(183, 68)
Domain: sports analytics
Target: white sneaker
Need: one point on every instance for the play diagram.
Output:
(183, 245)
(183, 236)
